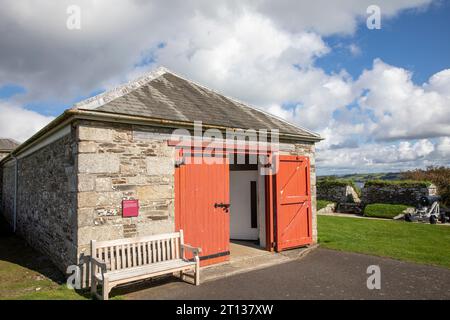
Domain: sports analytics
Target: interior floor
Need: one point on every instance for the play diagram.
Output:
(240, 249)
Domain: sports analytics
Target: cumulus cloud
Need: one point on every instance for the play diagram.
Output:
(368, 158)
(41, 54)
(443, 148)
(402, 109)
(18, 123)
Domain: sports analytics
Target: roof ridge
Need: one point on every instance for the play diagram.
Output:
(121, 90)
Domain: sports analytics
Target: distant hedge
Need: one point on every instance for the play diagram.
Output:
(400, 183)
(382, 210)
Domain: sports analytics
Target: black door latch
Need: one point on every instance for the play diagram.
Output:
(224, 206)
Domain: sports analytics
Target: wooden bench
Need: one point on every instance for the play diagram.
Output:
(121, 261)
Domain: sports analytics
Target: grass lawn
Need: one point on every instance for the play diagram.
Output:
(28, 275)
(421, 243)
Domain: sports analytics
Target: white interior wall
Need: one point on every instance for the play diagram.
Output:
(240, 211)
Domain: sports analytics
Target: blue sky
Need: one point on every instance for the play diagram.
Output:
(380, 98)
(417, 40)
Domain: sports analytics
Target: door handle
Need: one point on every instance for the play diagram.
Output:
(224, 206)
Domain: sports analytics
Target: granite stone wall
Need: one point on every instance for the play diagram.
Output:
(7, 187)
(118, 162)
(46, 200)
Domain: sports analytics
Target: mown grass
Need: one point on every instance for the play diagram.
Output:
(420, 243)
(382, 210)
(27, 275)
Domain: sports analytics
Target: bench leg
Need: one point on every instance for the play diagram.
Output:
(197, 272)
(93, 285)
(105, 290)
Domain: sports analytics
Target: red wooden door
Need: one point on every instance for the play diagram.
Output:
(293, 221)
(199, 187)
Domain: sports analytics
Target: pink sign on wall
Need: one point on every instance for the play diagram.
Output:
(130, 208)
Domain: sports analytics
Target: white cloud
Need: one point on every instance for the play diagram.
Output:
(403, 109)
(354, 49)
(440, 82)
(330, 17)
(41, 54)
(443, 148)
(369, 157)
(18, 123)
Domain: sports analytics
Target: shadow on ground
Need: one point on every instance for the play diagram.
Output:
(23, 267)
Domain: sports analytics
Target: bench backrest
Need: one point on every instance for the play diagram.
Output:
(133, 252)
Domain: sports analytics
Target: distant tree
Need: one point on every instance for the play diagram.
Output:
(440, 176)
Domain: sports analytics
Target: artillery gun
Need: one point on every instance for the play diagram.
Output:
(428, 209)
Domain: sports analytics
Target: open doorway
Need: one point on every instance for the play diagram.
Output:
(247, 208)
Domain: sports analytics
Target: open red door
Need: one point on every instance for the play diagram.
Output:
(201, 200)
(293, 221)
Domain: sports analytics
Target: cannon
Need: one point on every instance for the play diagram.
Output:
(427, 209)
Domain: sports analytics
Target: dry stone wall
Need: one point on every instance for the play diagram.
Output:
(395, 194)
(337, 193)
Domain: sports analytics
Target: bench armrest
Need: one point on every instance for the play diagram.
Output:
(194, 250)
(96, 262)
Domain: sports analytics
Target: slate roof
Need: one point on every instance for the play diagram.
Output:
(8, 144)
(164, 95)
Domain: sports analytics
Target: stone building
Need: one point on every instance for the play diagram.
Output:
(6, 146)
(68, 184)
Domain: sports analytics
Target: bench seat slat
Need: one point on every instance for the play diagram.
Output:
(149, 269)
(110, 243)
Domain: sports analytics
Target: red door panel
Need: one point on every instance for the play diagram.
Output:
(198, 188)
(293, 221)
